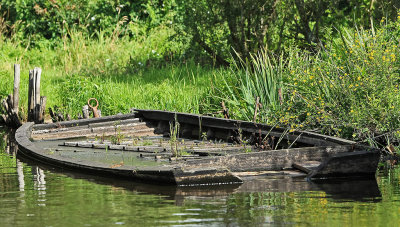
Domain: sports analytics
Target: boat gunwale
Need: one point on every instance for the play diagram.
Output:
(23, 138)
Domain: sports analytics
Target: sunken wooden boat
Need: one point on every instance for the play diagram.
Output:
(164, 147)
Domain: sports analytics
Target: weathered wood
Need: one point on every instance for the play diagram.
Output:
(42, 109)
(4, 104)
(247, 127)
(36, 115)
(16, 88)
(31, 101)
(52, 115)
(36, 104)
(85, 112)
(9, 103)
(307, 167)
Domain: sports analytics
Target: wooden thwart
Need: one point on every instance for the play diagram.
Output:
(307, 167)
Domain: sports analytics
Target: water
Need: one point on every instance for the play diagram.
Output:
(35, 195)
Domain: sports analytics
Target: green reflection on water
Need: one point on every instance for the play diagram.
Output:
(31, 196)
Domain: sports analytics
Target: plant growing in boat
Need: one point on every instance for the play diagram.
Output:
(203, 137)
(135, 141)
(118, 136)
(147, 143)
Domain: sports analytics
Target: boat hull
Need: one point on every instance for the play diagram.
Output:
(336, 158)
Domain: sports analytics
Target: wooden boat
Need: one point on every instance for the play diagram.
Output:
(187, 149)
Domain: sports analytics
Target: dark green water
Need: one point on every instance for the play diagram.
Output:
(32, 195)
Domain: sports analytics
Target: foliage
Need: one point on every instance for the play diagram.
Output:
(54, 19)
(224, 27)
(260, 77)
(349, 88)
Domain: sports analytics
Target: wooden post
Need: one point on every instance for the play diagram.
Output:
(42, 108)
(35, 110)
(31, 102)
(85, 112)
(37, 94)
(16, 87)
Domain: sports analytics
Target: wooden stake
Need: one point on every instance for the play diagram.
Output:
(85, 112)
(31, 102)
(42, 109)
(16, 88)
(37, 94)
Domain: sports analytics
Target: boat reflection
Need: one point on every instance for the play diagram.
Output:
(345, 190)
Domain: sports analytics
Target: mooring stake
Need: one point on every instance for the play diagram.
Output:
(36, 103)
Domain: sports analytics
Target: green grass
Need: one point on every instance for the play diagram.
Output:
(121, 73)
(348, 88)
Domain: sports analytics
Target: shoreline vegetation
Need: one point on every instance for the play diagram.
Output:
(342, 80)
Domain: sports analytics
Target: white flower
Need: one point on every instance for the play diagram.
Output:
(121, 6)
(153, 51)
(107, 59)
(93, 18)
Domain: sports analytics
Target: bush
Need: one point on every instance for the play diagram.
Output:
(350, 88)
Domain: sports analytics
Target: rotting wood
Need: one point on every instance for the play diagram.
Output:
(36, 103)
(16, 87)
(11, 103)
(203, 170)
(306, 167)
(31, 101)
(85, 112)
(36, 110)
(42, 109)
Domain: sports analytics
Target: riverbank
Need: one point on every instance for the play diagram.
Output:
(348, 89)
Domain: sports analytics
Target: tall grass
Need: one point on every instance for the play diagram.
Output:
(259, 77)
(122, 72)
(350, 88)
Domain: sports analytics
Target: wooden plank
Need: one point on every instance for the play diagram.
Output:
(219, 123)
(84, 121)
(112, 123)
(307, 167)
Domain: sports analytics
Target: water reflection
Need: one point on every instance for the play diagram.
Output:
(39, 195)
(7, 141)
(357, 189)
